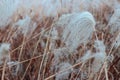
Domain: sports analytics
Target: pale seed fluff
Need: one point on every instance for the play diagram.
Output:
(117, 41)
(76, 28)
(15, 67)
(86, 56)
(114, 22)
(99, 56)
(54, 34)
(99, 45)
(60, 53)
(26, 25)
(64, 73)
(4, 52)
(99, 59)
(7, 9)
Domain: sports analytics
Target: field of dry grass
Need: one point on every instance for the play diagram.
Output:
(61, 44)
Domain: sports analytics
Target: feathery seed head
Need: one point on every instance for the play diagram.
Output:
(4, 52)
(114, 21)
(78, 29)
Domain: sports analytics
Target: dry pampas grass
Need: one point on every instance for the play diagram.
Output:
(114, 21)
(59, 40)
(74, 33)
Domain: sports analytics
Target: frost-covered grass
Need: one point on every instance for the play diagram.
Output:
(59, 40)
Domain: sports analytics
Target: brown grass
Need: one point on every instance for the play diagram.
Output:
(36, 61)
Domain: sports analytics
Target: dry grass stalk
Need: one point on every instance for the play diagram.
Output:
(43, 56)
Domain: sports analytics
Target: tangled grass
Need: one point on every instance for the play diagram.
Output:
(61, 44)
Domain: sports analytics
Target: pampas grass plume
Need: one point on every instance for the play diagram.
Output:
(76, 28)
(114, 21)
(4, 52)
(64, 75)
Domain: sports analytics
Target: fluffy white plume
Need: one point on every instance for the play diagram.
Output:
(54, 34)
(86, 56)
(99, 56)
(76, 28)
(98, 61)
(4, 52)
(7, 9)
(114, 22)
(117, 41)
(44, 8)
(15, 67)
(99, 45)
(60, 54)
(64, 75)
(75, 32)
(26, 25)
